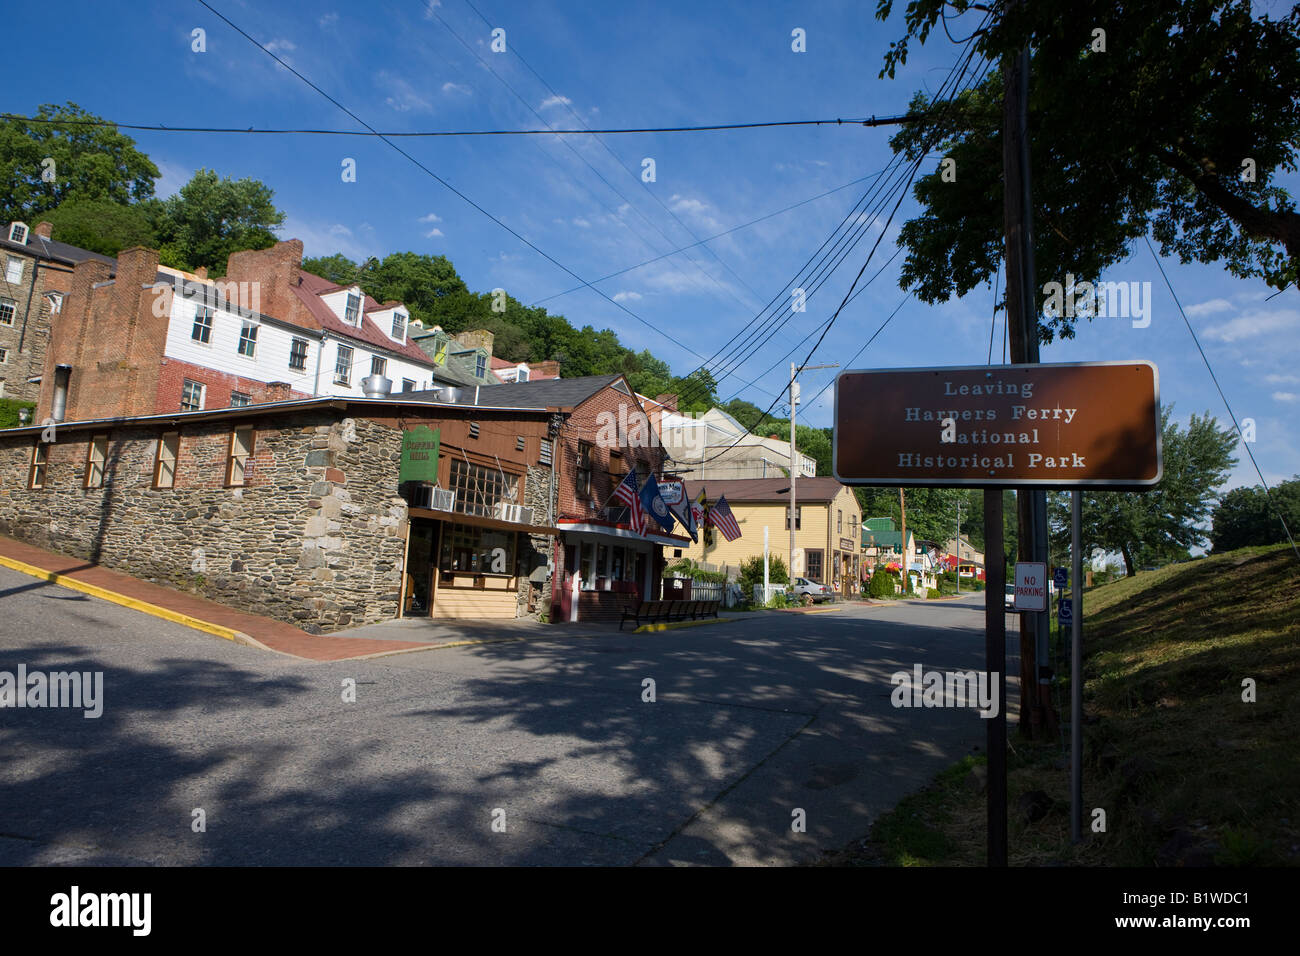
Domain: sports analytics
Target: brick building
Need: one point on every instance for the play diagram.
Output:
(600, 431)
(35, 276)
(143, 338)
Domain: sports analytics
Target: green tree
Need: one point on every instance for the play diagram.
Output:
(104, 226)
(88, 162)
(1149, 136)
(1159, 525)
(211, 217)
(1245, 517)
(338, 268)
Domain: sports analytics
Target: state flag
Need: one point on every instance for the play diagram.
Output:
(654, 504)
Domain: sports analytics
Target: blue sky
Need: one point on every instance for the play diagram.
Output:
(406, 65)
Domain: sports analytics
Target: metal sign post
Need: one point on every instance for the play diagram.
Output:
(1076, 672)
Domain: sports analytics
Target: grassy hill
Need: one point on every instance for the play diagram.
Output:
(1186, 771)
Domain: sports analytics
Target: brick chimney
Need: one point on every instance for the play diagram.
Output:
(278, 392)
(201, 272)
(267, 274)
(44, 229)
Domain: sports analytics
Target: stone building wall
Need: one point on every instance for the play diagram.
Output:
(535, 549)
(315, 538)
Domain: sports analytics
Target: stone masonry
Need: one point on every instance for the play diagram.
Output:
(314, 538)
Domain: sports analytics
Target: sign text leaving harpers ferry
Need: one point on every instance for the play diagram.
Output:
(1058, 425)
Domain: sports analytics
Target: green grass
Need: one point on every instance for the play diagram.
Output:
(1185, 770)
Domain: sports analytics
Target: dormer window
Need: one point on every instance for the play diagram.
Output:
(521, 374)
(18, 232)
(352, 315)
(399, 326)
(480, 366)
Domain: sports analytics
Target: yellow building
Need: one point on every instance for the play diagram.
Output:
(827, 522)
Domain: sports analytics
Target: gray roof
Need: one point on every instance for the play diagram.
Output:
(44, 248)
(545, 393)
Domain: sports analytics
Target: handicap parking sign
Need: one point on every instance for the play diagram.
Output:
(1065, 613)
(1058, 577)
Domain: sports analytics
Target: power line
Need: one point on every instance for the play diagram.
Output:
(549, 258)
(1268, 492)
(916, 165)
(424, 134)
(716, 235)
(653, 195)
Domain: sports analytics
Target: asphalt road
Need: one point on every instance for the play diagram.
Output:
(521, 753)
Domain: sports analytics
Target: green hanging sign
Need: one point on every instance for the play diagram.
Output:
(420, 454)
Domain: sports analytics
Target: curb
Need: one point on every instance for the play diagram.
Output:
(674, 625)
(144, 607)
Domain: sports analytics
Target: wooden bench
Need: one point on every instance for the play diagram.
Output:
(654, 612)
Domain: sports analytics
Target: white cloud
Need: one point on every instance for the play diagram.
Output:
(582, 223)
(432, 217)
(433, 234)
(1254, 324)
(1286, 397)
(326, 239)
(429, 7)
(1282, 379)
(696, 209)
(555, 101)
(328, 20)
(450, 87)
(627, 296)
(1209, 308)
(172, 179)
(405, 97)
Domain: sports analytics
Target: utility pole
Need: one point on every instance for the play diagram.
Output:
(902, 512)
(1022, 322)
(794, 461)
(957, 546)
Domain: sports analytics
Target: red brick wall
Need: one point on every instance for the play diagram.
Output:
(219, 385)
(112, 337)
(585, 425)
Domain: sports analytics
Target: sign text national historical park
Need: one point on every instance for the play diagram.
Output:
(1089, 424)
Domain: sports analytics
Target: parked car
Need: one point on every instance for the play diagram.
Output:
(818, 592)
(1011, 597)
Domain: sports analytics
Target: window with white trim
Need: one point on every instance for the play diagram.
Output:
(378, 365)
(240, 399)
(399, 326)
(480, 366)
(191, 396)
(298, 354)
(352, 313)
(202, 332)
(408, 385)
(14, 270)
(521, 375)
(4, 356)
(248, 340)
(343, 366)
(8, 309)
(18, 233)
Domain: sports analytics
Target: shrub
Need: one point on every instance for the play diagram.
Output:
(689, 569)
(751, 572)
(882, 584)
(9, 412)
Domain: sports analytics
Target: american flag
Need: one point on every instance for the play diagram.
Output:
(720, 517)
(627, 494)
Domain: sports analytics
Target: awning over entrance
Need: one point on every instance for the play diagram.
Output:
(479, 521)
(621, 531)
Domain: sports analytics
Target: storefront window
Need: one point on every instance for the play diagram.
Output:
(472, 550)
(618, 568)
(814, 559)
(588, 559)
(602, 561)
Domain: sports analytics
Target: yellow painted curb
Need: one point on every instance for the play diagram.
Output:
(144, 607)
(674, 625)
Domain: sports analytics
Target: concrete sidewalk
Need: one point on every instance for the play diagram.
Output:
(193, 611)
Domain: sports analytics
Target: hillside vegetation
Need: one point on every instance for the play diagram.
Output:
(1187, 772)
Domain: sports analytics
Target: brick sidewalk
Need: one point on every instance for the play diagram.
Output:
(263, 631)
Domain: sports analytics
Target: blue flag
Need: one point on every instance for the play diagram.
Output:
(654, 504)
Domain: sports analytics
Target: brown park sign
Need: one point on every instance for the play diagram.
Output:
(1078, 424)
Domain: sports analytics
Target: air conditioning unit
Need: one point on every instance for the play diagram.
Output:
(515, 513)
(442, 499)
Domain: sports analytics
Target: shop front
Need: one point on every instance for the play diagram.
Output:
(468, 567)
(602, 567)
